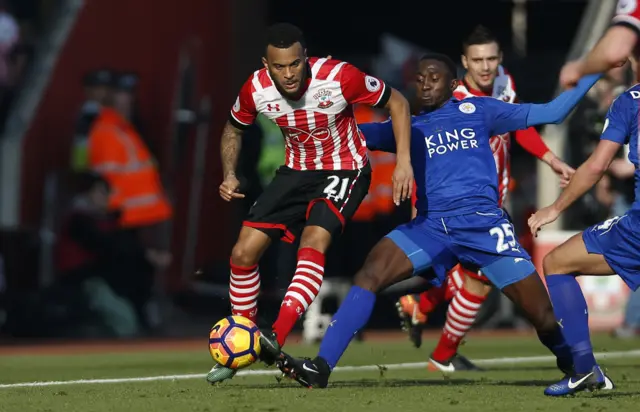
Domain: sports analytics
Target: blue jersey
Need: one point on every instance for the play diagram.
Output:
(621, 126)
(453, 164)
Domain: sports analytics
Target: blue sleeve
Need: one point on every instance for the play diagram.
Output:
(504, 117)
(617, 124)
(559, 108)
(379, 136)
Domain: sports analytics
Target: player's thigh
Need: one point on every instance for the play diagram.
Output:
(385, 265)
(279, 211)
(334, 198)
(572, 257)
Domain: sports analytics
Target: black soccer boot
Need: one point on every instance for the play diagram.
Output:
(307, 372)
(270, 351)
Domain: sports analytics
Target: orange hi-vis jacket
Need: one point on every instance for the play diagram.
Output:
(379, 200)
(117, 152)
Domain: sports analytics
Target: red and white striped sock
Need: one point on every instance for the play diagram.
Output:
(462, 312)
(303, 289)
(244, 288)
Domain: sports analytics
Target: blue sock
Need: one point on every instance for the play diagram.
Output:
(571, 311)
(353, 314)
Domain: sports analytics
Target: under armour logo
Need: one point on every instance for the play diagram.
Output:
(253, 313)
(288, 302)
(333, 322)
(275, 107)
(560, 324)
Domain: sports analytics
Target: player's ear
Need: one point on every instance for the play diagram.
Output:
(465, 64)
(264, 62)
(306, 58)
(500, 57)
(454, 83)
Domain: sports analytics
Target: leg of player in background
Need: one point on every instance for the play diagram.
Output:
(414, 310)
(385, 265)
(461, 315)
(244, 285)
(561, 267)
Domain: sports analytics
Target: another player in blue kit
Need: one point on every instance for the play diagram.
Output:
(608, 248)
(458, 215)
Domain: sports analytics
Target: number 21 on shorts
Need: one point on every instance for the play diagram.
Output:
(334, 192)
(504, 233)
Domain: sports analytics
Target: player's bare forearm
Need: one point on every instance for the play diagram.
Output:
(230, 145)
(585, 178)
(401, 120)
(611, 51)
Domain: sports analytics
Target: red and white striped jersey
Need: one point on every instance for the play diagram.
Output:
(503, 89)
(320, 130)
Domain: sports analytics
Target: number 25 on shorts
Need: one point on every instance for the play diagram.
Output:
(504, 232)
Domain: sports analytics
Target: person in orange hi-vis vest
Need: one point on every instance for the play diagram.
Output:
(117, 152)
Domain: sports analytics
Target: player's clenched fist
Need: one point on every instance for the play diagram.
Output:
(229, 188)
(542, 217)
(402, 182)
(570, 74)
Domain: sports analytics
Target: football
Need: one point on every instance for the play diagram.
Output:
(234, 342)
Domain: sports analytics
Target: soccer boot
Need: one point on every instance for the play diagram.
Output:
(457, 363)
(220, 373)
(567, 369)
(413, 320)
(594, 380)
(270, 351)
(307, 372)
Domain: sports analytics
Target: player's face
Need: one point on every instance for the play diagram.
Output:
(434, 85)
(481, 62)
(287, 68)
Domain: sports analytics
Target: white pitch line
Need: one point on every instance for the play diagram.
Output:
(263, 372)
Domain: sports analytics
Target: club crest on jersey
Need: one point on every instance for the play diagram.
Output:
(467, 108)
(372, 84)
(324, 98)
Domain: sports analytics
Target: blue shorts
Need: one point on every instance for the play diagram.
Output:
(483, 240)
(618, 241)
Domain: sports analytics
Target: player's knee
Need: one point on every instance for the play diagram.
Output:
(244, 255)
(315, 237)
(476, 287)
(553, 263)
(369, 278)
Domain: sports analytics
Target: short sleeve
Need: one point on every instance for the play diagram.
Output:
(617, 123)
(358, 87)
(243, 112)
(503, 117)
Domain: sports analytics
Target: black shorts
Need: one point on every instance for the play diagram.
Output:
(298, 198)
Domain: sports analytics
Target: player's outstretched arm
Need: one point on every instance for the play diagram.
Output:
(230, 145)
(586, 176)
(611, 51)
(559, 108)
(504, 117)
(401, 123)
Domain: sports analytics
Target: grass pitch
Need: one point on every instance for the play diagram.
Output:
(175, 381)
